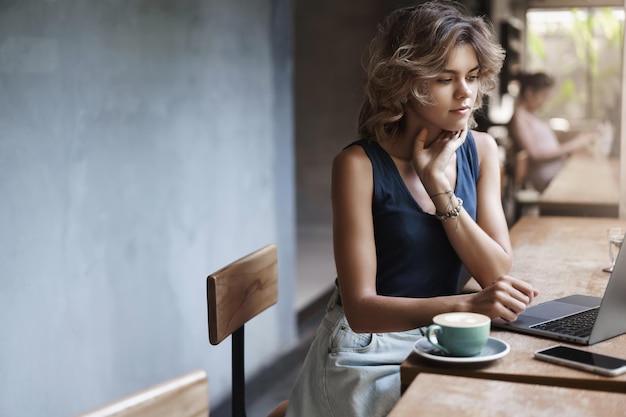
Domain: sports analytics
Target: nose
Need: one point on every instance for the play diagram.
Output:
(463, 90)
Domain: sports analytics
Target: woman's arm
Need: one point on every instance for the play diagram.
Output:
(484, 246)
(355, 255)
(355, 258)
(522, 131)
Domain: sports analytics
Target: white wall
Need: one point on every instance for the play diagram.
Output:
(143, 144)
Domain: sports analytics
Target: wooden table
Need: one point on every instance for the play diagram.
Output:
(587, 185)
(443, 395)
(559, 256)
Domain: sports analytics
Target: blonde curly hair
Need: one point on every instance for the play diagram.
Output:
(412, 48)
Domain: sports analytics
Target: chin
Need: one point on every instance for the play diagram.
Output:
(455, 127)
(459, 125)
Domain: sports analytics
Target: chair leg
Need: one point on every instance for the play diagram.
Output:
(518, 211)
(239, 382)
(238, 377)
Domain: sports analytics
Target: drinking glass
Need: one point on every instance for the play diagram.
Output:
(616, 237)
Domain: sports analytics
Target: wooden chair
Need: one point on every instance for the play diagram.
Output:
(526, 197)
(237, 293)
(184, 396)
(519, 197)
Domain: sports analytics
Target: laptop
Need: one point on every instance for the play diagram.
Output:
(579, 319)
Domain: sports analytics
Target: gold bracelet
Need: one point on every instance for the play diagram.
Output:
(448, 191)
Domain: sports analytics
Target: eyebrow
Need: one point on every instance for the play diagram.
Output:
(451, 71)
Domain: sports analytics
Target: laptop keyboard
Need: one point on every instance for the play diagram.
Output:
(579, 324)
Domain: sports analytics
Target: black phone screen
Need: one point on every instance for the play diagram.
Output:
(582, 356)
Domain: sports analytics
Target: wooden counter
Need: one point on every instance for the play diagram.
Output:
(587, 185)
(442, 395)
(559, 256)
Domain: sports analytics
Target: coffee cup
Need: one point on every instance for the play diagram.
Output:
(459, 333)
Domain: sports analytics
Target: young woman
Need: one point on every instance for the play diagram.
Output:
(546, 154)
(414, 199)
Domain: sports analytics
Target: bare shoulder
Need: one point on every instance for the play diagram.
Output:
(350, 159)
(485, 144)
(483, 138)
(352, 180)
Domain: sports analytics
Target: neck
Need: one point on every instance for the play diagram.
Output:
(524, 104)
(401, 147)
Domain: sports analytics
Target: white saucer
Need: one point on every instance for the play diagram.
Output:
(494, 349)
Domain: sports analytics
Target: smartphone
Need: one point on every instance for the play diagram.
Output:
(583, 360)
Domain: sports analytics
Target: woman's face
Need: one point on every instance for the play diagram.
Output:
(454, 92)
(534, 99)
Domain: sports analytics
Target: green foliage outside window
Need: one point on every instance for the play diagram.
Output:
(582, 49)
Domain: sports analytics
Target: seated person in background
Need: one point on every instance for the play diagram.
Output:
(546, 154)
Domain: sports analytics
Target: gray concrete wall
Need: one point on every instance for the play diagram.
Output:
(143, 145)
(331, 37)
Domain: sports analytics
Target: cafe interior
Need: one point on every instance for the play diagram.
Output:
(151, 150)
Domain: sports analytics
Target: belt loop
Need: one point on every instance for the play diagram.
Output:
(335, 299)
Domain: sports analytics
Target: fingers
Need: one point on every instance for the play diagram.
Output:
(444, 136)
(459, 138)
(525, 292)
(451, 140)
(431, 157)
(447, 135)
(420, 140)
(506, 314)
(522, 293)
(508, 297)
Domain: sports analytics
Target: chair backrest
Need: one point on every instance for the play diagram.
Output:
(235, 294)
(521, 167)
(241, 290)
(184, 396)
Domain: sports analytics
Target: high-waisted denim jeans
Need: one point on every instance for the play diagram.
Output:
(348, 374)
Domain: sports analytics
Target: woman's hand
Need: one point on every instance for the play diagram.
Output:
(431, 161)
(506, 298)
(585, 139)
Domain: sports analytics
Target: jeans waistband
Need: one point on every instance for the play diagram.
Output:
(334, 300)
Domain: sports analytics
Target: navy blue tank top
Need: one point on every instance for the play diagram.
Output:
(414, 257)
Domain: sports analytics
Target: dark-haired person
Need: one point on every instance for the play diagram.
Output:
(529, 132)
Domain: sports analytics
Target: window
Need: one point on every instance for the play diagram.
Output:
(581, 48)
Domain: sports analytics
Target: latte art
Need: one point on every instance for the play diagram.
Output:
(461, 319)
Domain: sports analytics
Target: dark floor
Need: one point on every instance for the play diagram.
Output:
(274, 384)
